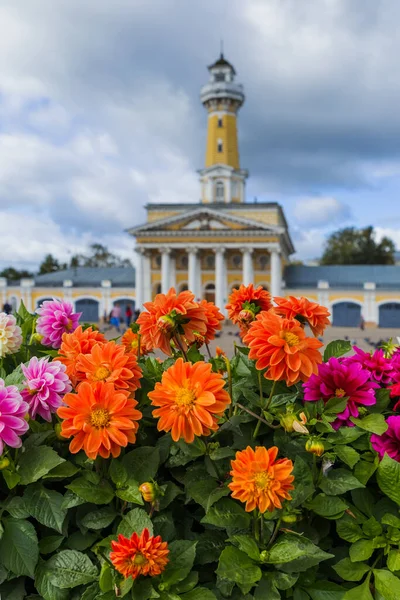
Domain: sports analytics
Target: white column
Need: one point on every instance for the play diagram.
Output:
(172, 271)
(276, 273)
(139, 280)
(146, 262)
(165, 269)
(199, 283)
(193, 271)
(370, 311)
(220, 279)
(3, 292)
(248, 273)
(26, 286)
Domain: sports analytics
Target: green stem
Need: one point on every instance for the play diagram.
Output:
(253, 414)
(138, 347)
(261, 516)
(179, 343)
(271, 395)
(275, 533)
(256, 531)
(208, 351)
(256, 430)
(229, 372)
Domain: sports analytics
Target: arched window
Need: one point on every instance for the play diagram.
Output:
(219, 121)
(220, 146)
(219, 191)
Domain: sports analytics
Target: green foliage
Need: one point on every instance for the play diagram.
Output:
(351, 246)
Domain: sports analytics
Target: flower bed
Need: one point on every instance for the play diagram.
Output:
(271, 475)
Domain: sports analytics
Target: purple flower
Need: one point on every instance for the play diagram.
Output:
(381, 368)
(342, 380)
(12, 412)
(56, 317)
(389, 441)
(45, 383)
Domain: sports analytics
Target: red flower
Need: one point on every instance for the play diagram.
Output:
(144, 555)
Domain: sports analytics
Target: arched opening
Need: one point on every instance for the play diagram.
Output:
(219, 191)
(209, 292)
(183, 287)
(89, 309)
(389, 314)
(123, 303)
(346, 314)
(13, 303)
(40, 301)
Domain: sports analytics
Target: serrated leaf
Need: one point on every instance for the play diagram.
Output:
(387, 584)
(336, 348)
(246, 544)
(335, 405)
(62, 471)
(135, 521)
(339, 481)
(393, 560)
(142, 463)
(19, 550)
(294, 553)
(361, 550)
(351, 571)
(99, 519)
(388, 477)
(348, 455)
(46, 589)
(181, 559)
(374, 423)
(50, 543)
(361, 592)
(327, 506)
(16, 507)
(70, 568)
(36, 462)
(96, 493)
(235, 565)
(130, 493)
(227, 513)
(304, 487)
(45, 506)
(348, 529)
(199, 593)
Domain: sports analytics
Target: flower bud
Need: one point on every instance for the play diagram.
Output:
(199, 339)
(148, 491)
(246, 316)
(389, 348)
(315, 446)
(291, 422)
(264, 556)
(57, 430)
(289, 518)
(36, 338)
(4, 463)
(166, 324)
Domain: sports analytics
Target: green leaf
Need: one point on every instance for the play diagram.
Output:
(294, 553)
(81, 541)
(350, 571)
(235, 565)
(393, 560)
(361, 550)
(387, 584)
(48, 544)
(374, 423)
(66, 469)
(170, 492)
(99, 519)
(46, 589)
(348, 529)
(206, 492)
(71, 500)
(266, 589)
(45, 506)
(199, 593)
(91, 592)
(130, 493)
(70, 568)
(326, 590)
(388, 477)
(13, 590)
(181, 559)
(327, 506)
(335, 405)
(227, 513)
(336, 348)
(19, 550)
(118, 472)
(15, 378)
(143, 590)
(11, 478)
(284, 581)
(304, 486)
(16, 507)
(372, 528)
(209, 546)
(361, 592)
(345, 435)
(246, 544)
(36, 462)
(364, 470)
(348, 455)
(339, 481)
(135, 521)
(99, 493)
(142, 463)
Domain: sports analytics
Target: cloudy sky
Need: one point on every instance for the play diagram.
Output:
(100, 114)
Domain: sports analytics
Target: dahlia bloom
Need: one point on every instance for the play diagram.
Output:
(55, 318)
(281, 346)
(388, 442)
(380, 368)
(76, 343)
(190, 398)
(245, 303)
(168, 315)
(130, 341)
(10, 335)
(144, 555)
(342, 380)
(214, 320)
(304, 311)
(100, 419)
(12, 412)
(259, 480)
(45, 385)
(110, 363)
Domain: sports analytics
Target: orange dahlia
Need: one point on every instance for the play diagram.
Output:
(130, 341)
(259, 480)
(245, 303)
(281, 346)
(190, 397)
(100, 419)
(171, 314)
(304, 311)
(110, 363)
(76, 343)
(144, 555)
(213, 319)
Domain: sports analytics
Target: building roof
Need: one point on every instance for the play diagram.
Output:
(222, 62)
(343, 276)
(89, 276)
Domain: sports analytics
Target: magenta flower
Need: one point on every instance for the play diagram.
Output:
(56, 317)
(12, 412)
(389, 441)
(342, 380)
(381, 368)
(45, 385)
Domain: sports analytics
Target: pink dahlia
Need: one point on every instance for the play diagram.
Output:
(12, 412)
(381, 368)
(56, 317)
(389, 441)
(10, 335)
(45, 385)
(342, 380)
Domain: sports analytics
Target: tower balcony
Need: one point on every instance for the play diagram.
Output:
(220, 90)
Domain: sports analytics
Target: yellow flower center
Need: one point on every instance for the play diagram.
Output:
(68, 326)
(102, 373)
(99, 417)
(262, 480)
(290, 338)
(166, 324)
(185, 397)
(139, 560)
(134, 343)
(339, 393)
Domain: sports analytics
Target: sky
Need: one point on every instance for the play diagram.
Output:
(100, 115)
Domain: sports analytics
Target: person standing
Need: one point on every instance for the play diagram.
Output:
(128, 315)
(116, 317)
(7, 308)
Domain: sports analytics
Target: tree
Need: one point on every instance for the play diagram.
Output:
(50, 265)
(99, 257)
(15, 274)
(351, 246)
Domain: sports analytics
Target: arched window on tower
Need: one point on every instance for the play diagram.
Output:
(219, 191)
(219, 121)
(219, 146)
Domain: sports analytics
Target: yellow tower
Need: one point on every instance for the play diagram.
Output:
(222, 179)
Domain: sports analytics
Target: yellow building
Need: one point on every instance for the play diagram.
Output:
(223, 241)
